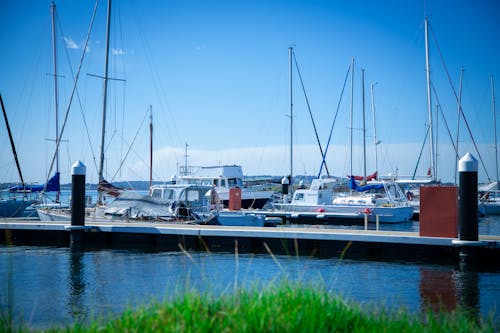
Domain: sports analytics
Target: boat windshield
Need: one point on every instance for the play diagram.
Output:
(234, 182)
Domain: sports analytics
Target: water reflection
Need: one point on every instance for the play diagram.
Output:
(467, 281)
(443, 289)
(437, 289)
(76, 286)
(57, 286)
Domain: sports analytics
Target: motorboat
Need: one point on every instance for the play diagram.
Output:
(223, 178)
(381, 201)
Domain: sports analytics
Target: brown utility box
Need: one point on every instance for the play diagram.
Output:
(439, 211)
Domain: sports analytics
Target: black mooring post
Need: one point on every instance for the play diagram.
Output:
(467, 198)
(284, 185)
(77, 204)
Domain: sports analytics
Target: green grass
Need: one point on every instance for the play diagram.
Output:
(283, 308)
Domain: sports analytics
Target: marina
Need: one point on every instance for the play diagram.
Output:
(117, 270)
(278, 189)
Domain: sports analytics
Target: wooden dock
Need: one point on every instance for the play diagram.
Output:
(359, 244)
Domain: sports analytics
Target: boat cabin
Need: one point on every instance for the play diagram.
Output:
(221, 177)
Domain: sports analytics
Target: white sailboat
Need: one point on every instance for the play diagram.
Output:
(341, 199)
(64, 213)
(489, 200)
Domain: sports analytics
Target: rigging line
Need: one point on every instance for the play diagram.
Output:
(12, 142)
(445, 122)
(460, 105)
(85, 125)
(171, 126)
(421, 151)
(72, 92)
(309, 109)
(334, 120)
(131, 144)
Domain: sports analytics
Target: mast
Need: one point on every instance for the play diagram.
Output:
(351, 113)
(56, 99)
(12, 142)
(364, 127)
(290, 54)
(458, 121)
(104, 102)
(494, 124)
(429, 100)
(374, 126)
(150, 146)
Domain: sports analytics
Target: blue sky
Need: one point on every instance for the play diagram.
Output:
(216, 76)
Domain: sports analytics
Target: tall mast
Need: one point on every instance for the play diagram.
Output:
(150, 146)
(458, 121)
(374, 126)
(351, 113)
(364, 127)
(104, 102)
(429, 100)
(56, 99)
(290, 54)
(494, 124)
(12, 142)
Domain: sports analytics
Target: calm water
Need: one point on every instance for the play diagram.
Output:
(55, 286)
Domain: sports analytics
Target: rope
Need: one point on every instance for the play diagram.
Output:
(445, 122)
(323, 162)
(78, 98)
(421, 151)
(130, 147)
(309, 108)
(72, 92)
(460, 106)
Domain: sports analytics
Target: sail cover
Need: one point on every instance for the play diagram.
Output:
(139, 206)
(52, 185)
(355, 187)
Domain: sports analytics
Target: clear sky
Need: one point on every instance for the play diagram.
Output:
(216, 74)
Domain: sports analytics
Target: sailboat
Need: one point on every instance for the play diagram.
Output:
(17, 200)
(343, 200)
(47, 213)
(489, 200)
(13, 206)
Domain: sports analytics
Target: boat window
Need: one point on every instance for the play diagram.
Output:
(222, 183)
(233, 182)
(216, 182)
(193, 195)
(156, 193)
(299, 196)
(168, 194)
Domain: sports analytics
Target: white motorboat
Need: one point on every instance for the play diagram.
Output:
(223, 178)
(378, 200)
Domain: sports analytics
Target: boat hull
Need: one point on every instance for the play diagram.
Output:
(13, 207)
(349, 212)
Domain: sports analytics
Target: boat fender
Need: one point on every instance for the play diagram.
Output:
(367, 211)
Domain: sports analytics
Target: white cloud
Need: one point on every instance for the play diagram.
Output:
(70, 43)
(275, 161)
(118, 52)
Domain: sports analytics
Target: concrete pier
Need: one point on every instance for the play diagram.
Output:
(360, 244)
